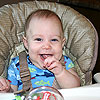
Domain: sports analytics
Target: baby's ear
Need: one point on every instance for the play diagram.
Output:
(63, 42)
(25, 42)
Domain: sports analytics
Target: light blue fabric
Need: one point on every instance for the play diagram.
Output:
(39, 77)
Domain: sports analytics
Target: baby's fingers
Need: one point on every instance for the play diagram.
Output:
(2, 88)
(48, 61)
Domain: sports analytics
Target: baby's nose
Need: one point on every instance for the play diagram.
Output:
(46, 45)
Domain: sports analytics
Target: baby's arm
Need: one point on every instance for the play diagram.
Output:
(4, 85)
(65, 78)
(68, 79)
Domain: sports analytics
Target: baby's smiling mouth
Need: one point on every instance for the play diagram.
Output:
(44, 56)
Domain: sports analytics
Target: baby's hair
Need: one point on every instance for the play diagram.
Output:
(42, 13)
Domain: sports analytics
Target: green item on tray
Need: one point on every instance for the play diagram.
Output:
(18, 97)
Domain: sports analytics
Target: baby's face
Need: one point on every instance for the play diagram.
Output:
(44, 40)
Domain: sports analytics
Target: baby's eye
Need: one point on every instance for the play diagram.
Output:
(38, 39)
(54, 40)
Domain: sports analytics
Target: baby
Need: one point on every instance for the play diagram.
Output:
(44, 40)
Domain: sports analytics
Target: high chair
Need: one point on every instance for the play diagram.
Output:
(81, 36)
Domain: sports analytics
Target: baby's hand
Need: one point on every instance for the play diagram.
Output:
(54, 65)
(4, 85)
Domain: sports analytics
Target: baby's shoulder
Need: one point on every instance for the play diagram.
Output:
(67, 59)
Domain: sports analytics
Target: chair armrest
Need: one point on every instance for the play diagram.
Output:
(97, 77)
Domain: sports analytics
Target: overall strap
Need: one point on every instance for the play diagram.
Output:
(24, 71)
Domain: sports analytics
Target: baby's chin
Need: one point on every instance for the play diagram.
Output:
(41, 66)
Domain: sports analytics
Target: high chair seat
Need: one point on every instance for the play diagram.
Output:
(81, 36)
